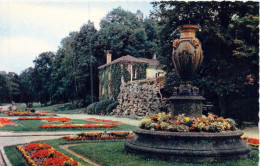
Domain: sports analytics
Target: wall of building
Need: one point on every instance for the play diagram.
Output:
(153, 72)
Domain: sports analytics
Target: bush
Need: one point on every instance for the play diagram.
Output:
(110, 107)
(91, 108)
(102, 106)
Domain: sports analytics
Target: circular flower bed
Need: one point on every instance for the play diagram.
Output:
(181, 123)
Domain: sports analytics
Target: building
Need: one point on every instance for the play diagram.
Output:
(127, 68)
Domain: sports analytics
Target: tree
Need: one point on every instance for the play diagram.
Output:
(13, 82)
(4, 90)
(41, 76)
(125, 33)
(27, 92)
(229, 36)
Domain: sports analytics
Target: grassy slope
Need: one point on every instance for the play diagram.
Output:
(16, 158)
(112, 154)
(32, 125)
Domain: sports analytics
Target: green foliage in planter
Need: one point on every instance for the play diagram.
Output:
(102, 106)
(111, 106)
(91, 108)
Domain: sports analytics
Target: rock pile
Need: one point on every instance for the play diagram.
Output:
(136, 100)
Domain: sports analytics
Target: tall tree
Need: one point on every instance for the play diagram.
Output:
(27, 92)
(41, 76)
(124, 33)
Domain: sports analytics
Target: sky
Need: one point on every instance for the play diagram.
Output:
(28, 28)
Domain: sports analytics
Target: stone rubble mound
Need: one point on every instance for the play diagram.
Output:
(137, 100)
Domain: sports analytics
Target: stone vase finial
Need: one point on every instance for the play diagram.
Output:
(187, 55)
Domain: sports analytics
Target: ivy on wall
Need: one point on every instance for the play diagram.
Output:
(116, 71)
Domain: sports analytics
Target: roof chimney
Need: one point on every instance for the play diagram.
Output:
(154, 56)
(109, 56)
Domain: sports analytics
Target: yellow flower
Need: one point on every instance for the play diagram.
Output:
(187, 119)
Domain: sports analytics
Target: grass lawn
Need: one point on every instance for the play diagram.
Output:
(32, 125)
(17, 159)
(113, 154)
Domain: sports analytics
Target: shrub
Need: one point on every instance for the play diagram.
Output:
(110, 107)
(102, 106)
(91, 108)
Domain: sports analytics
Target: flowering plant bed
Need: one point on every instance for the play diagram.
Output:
(77, 126)
(250, 141)
(49, 119)
(210, 123)
(102, 120)
(101, 136)
(40, 154)
(25, 113)
(6, 122)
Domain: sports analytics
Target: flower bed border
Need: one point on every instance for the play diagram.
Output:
(250, 141)
(101, 136)
(27, 113)
(10, 123)
(49, 119)
(77, 126)
(102, 120)
(31, 162)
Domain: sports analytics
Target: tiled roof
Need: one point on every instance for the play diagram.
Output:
(126, 58)
(152, 62)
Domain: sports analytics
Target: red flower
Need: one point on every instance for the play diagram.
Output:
(63, 119)
(68, 126)
(158, 126)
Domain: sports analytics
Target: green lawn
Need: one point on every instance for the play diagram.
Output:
(32, 125)
(17, 159)
(113, 154)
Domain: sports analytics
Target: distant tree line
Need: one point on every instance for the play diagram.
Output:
(228, 76)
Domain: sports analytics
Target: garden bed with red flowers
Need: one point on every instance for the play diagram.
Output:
(250, 141)
(49, 119)
(101, 136)
(6, 122)
(27, 113)
(77, 126)
(102, 120)
(40, 154)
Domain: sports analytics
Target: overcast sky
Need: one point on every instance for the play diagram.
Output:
(29, 28)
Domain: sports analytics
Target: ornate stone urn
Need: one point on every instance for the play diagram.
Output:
(187, 57)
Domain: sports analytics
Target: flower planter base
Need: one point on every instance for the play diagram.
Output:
(189, 146)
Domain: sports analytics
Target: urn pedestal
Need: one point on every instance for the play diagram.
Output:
(191, 106)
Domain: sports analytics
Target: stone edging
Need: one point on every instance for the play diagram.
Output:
(5, 159)
(188, 134)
